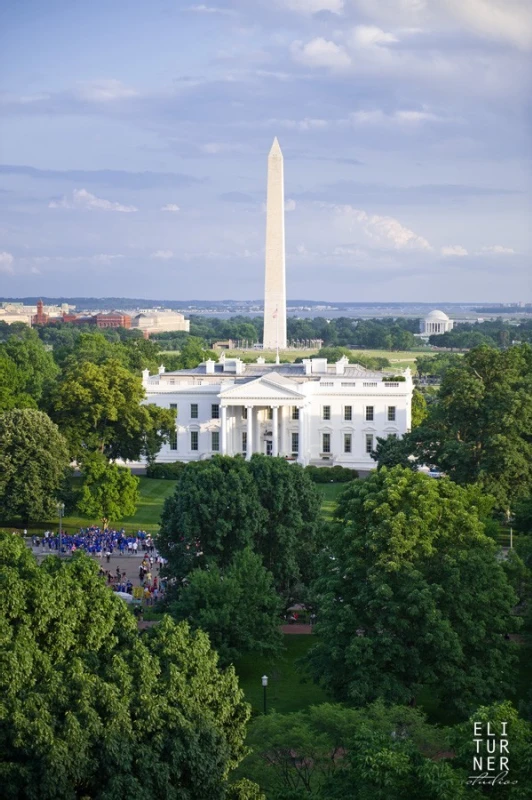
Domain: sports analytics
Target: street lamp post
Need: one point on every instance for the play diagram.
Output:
(60, 511)
(264, 687)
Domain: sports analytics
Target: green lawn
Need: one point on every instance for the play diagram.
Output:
(153, 493)
(330, 492)
(289, 687)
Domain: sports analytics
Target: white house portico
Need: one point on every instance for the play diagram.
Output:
(313, 412)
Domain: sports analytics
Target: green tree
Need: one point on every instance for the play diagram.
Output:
(419, 408)
(91, 708)
(214, 513)
(37, 369)
(33, 464)
(99, 408)
(412, 595)
(287, 541)
(523, 516)
(108, 492)
(193, 352)
(392, 452)
(479, 430)
(316, 753)
(12, 386)
(238, 607)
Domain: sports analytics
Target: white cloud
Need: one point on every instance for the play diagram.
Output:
(170, 207)
(290, 205)
(83, 199)
(312, 6)
(6, 262)
(507, 21)
(106, 258)
(406, 117)
(454, 250)
(503, 20)
(386, 231)
(320, 53)
(306, 124)
(497, 250)
(104, 91)
(164, 255)
(370, 35)
(202, 9)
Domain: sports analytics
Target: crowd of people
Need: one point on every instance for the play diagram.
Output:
(104, 543)
(97, 541)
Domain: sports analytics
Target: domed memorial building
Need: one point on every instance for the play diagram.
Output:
(436, 322)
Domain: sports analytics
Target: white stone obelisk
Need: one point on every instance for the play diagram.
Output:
(275, 280)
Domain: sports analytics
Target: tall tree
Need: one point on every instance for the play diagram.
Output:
(12, 386)
(32, 466)
(108, 492)
(479, 430)
(99, 408)
(37, 369)
(91, 708)
(287, 542)
(238, 607)
(419, 408)
(412, 595)
(214, 513)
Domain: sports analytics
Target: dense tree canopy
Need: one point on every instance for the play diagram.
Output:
(91, 708)
(480, 430)
(214, 513)
(287, 542)
(411, 594)
(330, 751)
(238, 607)
(13, 392)
(225, 504)
(33, 462)
(98, 408)
(36, 368)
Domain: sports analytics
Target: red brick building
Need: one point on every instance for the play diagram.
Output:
(40, 318)
(113, 319)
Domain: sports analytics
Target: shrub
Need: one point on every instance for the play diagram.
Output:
(335, 474)
(165, 472)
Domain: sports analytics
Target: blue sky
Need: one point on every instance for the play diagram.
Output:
(134, 139)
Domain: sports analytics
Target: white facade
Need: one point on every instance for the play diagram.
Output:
(157, 322)
(314, 412)
(275, 279)
(435, 323)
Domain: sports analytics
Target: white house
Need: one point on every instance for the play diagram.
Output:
(314, 412)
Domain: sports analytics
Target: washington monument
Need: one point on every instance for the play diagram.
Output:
(275, 281)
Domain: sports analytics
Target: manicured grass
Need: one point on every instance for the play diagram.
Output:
(153, 493)
(330, 492)
(289, 687)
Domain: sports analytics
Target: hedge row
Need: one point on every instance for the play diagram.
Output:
(171, 472)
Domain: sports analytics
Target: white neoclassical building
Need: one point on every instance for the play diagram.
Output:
(436, 322)
(313, 412)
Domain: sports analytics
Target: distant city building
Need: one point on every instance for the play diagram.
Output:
(435, 323)
(40, 317)
(160, 321)
(313, 412)
(112, 319)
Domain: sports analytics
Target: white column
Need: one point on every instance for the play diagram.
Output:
(301, 455)
(282, 420)
(223, 431)
(249, 449)
(275, 425)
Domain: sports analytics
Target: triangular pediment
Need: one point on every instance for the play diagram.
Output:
(267, 388)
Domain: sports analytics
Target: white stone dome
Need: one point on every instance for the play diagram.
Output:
(437, 316)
